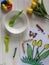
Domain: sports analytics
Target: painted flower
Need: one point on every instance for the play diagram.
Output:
(46, 46)
(39, 44)
(34, 43)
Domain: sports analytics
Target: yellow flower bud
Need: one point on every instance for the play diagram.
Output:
(4, 7)
(29, 10)
(39, 43)
(34, 43)
(33, 4)
(46, 46)
(9, 1)
(35, 1)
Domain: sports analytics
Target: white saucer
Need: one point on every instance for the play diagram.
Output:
(20, 25)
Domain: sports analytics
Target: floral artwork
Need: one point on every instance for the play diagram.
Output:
(36, 49)
(39, 55)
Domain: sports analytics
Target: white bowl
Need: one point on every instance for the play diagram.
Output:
(20, 25)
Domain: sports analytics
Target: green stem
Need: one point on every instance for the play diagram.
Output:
(41, 1)
(33, 50)
(43, 7)
(38, 14)
(41, 51)
(18, 14)
(47, 17)
(37, 57)
(36, 53)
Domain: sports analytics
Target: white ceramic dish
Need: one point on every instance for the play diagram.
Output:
(20, 24)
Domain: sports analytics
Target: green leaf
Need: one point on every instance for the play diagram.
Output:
(12, 21)
(29, 51)
(44, 55)
(41, 10)
(43, 7)
(30, 61)
(38, 14)
(27, 60)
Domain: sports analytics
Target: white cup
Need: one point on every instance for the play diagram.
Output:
(20, 25)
